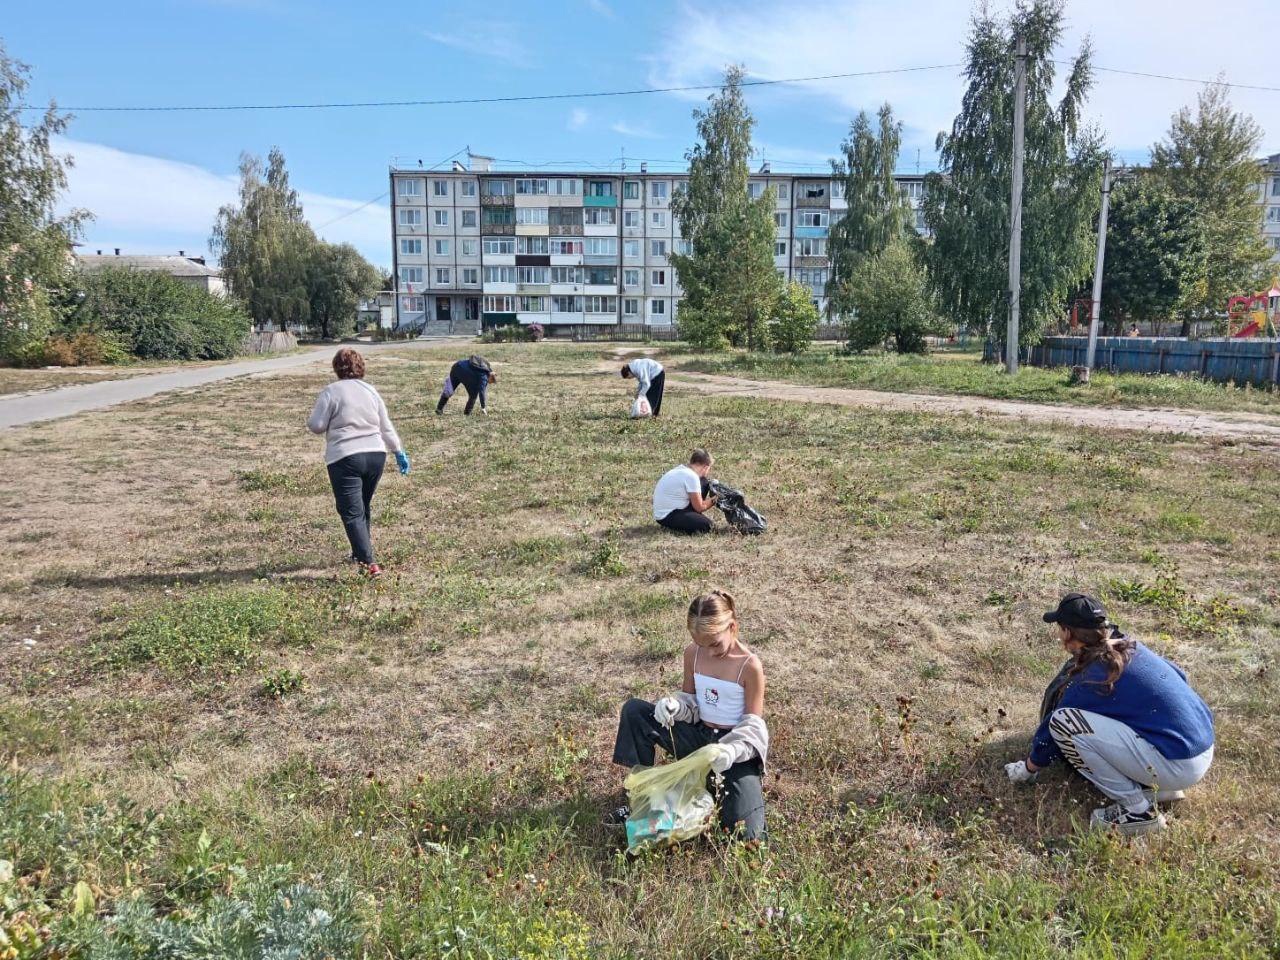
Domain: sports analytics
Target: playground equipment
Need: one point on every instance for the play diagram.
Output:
(1254, 315)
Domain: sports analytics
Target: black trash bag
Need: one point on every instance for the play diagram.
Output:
(733, 504)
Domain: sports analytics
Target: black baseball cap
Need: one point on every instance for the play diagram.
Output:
(1078, 610)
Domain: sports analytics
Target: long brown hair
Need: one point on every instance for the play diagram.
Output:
(1106, 645)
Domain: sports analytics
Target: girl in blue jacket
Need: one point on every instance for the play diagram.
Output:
(1124, 717)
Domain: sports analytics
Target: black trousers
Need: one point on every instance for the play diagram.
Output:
(354, 479)
(688, 521)
(459, 381)
(654, 393)
(741, 795)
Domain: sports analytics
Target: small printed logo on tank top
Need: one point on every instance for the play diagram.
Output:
(711, 695)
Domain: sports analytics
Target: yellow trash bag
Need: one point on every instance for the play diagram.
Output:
(669, 803)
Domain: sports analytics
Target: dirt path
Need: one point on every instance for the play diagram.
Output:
(1254, 428)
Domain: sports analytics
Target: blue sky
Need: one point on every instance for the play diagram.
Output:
(155, 180)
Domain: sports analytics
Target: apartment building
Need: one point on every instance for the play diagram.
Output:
(1269, 200)
(474, 247)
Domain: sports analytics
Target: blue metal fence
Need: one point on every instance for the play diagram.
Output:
(1253, 360)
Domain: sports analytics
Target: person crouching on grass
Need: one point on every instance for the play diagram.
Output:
(358, 432)
(721, 702)
(680, 498)
(1124, 717)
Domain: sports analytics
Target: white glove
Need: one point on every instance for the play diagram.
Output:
(722, 757)
(665, 710)
(1017, 772)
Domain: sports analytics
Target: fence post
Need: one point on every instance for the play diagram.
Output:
(1275, 366)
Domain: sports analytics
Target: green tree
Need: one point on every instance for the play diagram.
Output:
(891, 301)
(1155, 252)
(966, 205)
(264, 245)
(730, 283)
(337, 278)
(794, 320)
(35, 243)
(877, 211)
(1209, 158)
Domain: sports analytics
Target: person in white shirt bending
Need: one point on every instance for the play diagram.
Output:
(358, 433)
(681, 496)
(650, 379)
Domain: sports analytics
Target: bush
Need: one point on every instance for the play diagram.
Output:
(891, 302)
(702, 330)
(24, 325)
(82, 349)
(155, 316)
(511, 333)
(795, 320)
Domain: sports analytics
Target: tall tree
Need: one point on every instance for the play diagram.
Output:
(876, 212)
(891, 301)
(35, 243)
(966, 205)
(1155, 253)
(264, 245)
(729, 280)
(1209, 158)
(337, 278)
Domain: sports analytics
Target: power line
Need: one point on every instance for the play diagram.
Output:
(1166, 76)
(343, 216)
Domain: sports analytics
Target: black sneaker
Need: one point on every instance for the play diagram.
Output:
(1127, 823)
(617, 817)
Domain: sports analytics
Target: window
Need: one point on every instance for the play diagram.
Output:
(468, 218)
(499, 274)
(410, 188)
(780, 220)
(684, 247)
(470, 276)
(531, 215)
(533, 275)
(470, 247)
(536, 246)
(566, 304)
(531, 186)
(468, 188)
(631, 249)
(837, 190)
(631, 218)
(1275, 242)
(659, 189)
(657, 248)
(412, 304)
(532, 304)
(815, 191)
(921, 225)
(657, 308)
(442, 276)
(565, 188)
(1275, 187)
(440, 188)
(679, 187)
(411, 275)
(631, 278)
(1273, 214)
(442, 248)
(913, 189)
(600, 304)
(597, 216)
(410, 218)
(498, 188)
(782, 189)
(565, 248)
(599, 188)
(565, 216)
(566, 274)
(658, 278)
(780, 248)
(442, 218)
(811, 247)
(630, 307)
(602, 276)
(601, 246)
(505, 304)
(815, 218)
(814, 278)
(658, 218)
(755, 190)
(410, 247)
(631, 190)
(499, 246)
(497, 217)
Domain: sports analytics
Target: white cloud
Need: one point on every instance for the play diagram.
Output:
(578, 118)
(147, 204)
(639, 132)
(1182, 37)
(602, 8)
(493, 43)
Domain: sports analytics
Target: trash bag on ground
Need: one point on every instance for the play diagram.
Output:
(669, 803)
(640, 408)
(733, 504)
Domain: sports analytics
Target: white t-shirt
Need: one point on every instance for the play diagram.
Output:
(673, 490)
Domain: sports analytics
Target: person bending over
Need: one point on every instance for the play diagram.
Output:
(721, 702)
(358, 432)
(1124, 717)
(681, 498)
(650, 379)
(475, 374)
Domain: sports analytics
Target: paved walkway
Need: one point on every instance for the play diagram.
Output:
(67, 401)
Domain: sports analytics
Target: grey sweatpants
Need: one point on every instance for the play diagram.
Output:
(1117, 761)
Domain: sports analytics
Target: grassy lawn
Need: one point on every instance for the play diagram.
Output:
(215, 722)
(22, 380)
(955, 372)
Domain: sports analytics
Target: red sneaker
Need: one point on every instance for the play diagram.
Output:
(373, 571)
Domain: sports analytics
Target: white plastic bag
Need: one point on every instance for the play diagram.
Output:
(640, 408)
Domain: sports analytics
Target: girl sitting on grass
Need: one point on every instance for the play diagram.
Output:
(1124, 717)
(721, 703)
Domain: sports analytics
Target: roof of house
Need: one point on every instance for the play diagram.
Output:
(174, 265)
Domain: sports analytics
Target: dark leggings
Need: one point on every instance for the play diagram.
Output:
(654, 393)
(688, 521)
(742, 794)
(354, 479)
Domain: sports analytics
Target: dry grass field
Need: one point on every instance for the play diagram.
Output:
(210, 717)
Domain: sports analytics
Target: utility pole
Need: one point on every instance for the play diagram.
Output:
(1015, 207)
(1096, 311)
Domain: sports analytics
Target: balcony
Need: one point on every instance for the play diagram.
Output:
(565, 230)
(599, 201)
(497, 201)
(498, 230)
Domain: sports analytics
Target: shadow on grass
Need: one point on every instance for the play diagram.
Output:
(172, 578)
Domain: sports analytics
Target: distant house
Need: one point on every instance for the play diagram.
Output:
(378, 311)
(190, 270)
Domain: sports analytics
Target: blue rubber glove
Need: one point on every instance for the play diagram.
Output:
(402, 461)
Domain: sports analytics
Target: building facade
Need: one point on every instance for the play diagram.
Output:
(192, 271)
(1269, 199)
(476, 247)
